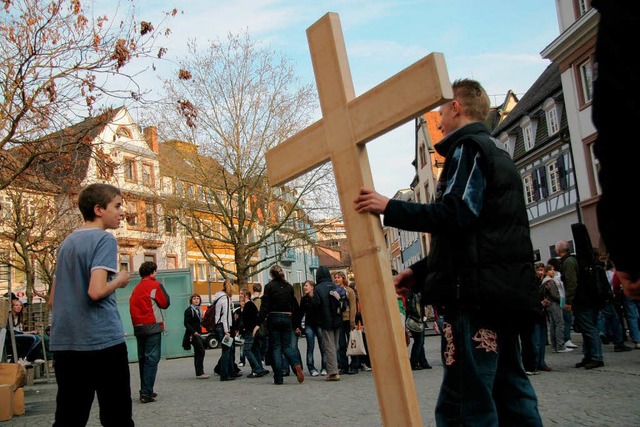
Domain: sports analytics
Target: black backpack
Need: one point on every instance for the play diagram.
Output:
(209, 319)
(339, 306)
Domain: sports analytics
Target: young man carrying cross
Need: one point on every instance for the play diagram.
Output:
(479, 271)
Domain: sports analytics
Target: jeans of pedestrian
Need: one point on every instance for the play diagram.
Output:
(484, 382)
(251, 353)
(586, 320)
(567, 316)
(29, 346)
(198, 354)
(81, 375)
(609, 324)
(343, 360)
(312, 333)
(286, 367)
(556, 326)
(149, 349)
(280, 331)
(226, 362)
(417, 355)
(631, 313)
(540, 342)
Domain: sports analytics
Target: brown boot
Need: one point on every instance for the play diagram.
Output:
(299, 373)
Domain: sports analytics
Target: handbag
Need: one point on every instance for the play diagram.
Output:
(356, 344)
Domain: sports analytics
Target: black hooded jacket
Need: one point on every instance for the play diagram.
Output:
(326, 319)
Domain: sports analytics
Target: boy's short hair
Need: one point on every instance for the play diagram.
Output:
(257, 287)
(147, 268)
(96, 194)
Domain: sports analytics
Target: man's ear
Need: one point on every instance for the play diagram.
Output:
(97, 209)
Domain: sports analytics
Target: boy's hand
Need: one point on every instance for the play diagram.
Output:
(122, 278)
(403, 282)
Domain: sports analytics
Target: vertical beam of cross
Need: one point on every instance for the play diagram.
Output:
(340, 136)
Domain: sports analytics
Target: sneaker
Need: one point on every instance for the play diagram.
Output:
(299, 373)
(323, 372)
(620, 348)
(240, 364)
(333, 377)
(569, 344)
(636, 345)
(365, 368)
(146, 399)
(315, 373)
(203, 376)
(564, 350)
(532, 372)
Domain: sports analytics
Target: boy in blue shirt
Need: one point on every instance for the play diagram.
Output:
(87, 336)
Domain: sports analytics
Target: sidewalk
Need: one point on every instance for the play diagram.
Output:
(607, 396)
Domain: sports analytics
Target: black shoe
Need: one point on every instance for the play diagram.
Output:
(146, 399)
(604, 340)
(342, 372)
(426, 366)
(621, 348)
(594, 364)
(228, 379)
(237, 375)
(285, 374)
(352, 372)
(255, 375)
(416, 368)
(582, 363)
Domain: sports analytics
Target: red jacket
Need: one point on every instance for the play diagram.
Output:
(148, 297)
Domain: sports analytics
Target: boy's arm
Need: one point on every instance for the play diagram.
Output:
(53, 290)
(100, 288)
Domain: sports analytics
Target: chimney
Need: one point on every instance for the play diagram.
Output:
(151, 136)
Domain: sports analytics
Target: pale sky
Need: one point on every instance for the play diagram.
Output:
(495, 42)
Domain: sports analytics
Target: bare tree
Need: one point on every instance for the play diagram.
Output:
(35, 220)
(58, 62)
(231, 102)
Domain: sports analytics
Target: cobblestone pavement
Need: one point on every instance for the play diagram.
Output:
(567, 396)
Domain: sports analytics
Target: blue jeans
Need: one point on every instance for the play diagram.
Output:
(484, 382)
(252, 353)
(280, 331)
(149, 348)
(311, 334)
(418, 356)
(567, 317)
(631, 313)
(609, 325)
(586, 322)
(540, 343)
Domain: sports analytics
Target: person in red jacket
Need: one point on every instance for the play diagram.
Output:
(148, 297)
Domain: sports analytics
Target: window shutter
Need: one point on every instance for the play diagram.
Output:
(562, 173)
(542, 176)
(536, 186)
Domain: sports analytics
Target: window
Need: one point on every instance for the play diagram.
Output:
(150, 216)
(423, 156)
(150, 258)
(172, 262)
(192, 268)
(169, 225)
(299, 276)
(585, 77)
(179, 188)
(584, 6)
(527, 133)
(123, 132)
(5, 207)
(147, 174)
(202, 272)
(528, 189)
(130, 169)
(132, 214)
(553, 177)
(551, 113)
(125, 262)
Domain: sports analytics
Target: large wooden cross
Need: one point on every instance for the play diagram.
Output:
(340, 136)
